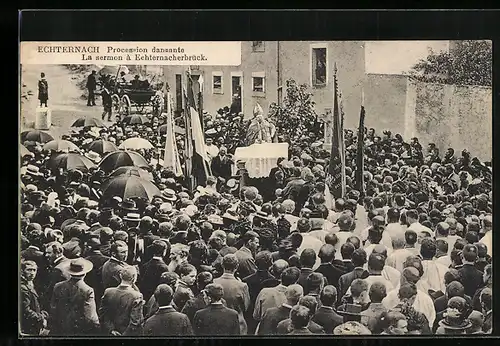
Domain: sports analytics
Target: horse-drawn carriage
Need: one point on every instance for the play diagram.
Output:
(133, 95)
(125, 99)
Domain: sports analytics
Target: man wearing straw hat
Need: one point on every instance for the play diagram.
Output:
(72, 308)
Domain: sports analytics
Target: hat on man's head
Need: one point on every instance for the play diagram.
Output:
(132, 217)
(215, 219)
(38, 196)
(106, 213)
(262, 215)
(231, 214)
(128, 205)
(78, 266)
(93, 156)
(168, 195)
(33, 171)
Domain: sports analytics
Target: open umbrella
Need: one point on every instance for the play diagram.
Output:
(136, 119)
(88, 122)
(102, 146)
(118, 159)
(136, 143)
(70, 161)
(24, 151)
(36, 136)
(179, 130)
(130, 170)
(129, 186)
(61, 145)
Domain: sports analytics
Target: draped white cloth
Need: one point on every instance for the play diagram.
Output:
(261, 158)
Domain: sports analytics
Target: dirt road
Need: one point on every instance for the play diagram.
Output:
(65, 99)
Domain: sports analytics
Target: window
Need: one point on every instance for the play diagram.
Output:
(258, 82)
(217, 87)
(319, 66)
(257, 46)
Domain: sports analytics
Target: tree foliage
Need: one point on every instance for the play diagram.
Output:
(468, 63)
(297, 114)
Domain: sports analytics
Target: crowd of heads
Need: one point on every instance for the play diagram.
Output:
(421, 221)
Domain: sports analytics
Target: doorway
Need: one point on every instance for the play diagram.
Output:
(236, 94)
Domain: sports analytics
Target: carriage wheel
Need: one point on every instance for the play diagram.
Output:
(115, 99)
(125, 105)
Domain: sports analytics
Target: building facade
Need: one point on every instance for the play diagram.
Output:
(265, 67)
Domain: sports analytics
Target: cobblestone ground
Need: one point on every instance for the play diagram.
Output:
(65, 98)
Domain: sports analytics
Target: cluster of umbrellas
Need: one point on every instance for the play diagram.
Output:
(127, 171)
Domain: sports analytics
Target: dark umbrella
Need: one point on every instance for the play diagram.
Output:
(129, 186)
(179, 130)
(24, 151)
(130, 170)
(102, 146)
(136, 119)
(61, 145)
(36, 136)
(118, 159)
(70, 161)
(88, 122)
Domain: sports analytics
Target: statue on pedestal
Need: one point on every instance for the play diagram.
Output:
(260, 130)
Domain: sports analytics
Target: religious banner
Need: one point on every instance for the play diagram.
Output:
(335, 175)
(360, 150)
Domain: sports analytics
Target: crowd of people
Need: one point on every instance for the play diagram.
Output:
(410, 254)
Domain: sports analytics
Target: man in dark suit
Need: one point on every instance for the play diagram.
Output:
(121, 307)
(358, 260)
(326, 316)
(216, 319)
(166, 321)
(300, 317)
(152, 270)
(199, 302)
(264, 261)
(295, 183)
(330, 272)
(486, 303)
(72, 307)
(94, 277)
(472, 278)
(33, 319)
(286, 326)
(453, 289)
(106, 239)
(221, 164)
(56, 273)
(34, 253)
(307, 262)
(91, 86)
(236, 292)
(305, 192)
(111, 269)
(273, 316)
(141, 237)
(245, 255)
(272, 173)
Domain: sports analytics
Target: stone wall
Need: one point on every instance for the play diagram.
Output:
(451, 116)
